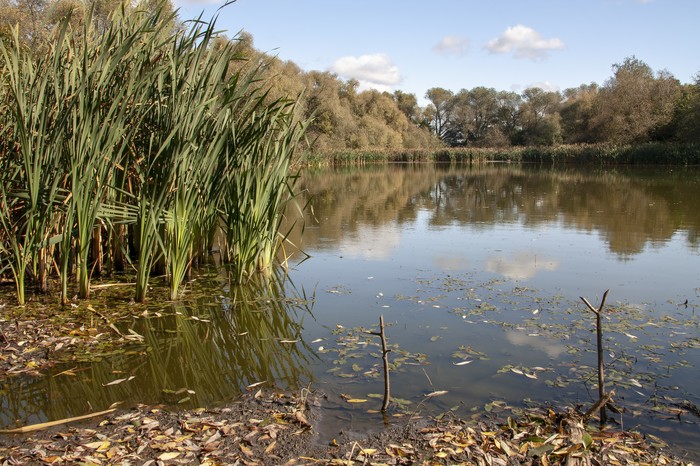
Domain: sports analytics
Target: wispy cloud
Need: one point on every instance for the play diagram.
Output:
(524, 42)
(375, 71)
(452, 45)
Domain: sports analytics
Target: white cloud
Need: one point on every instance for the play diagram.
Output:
(375, 71)
(524, 42)
(452, 45)
(545, 86)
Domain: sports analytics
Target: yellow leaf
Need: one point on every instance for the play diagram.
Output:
(270, 447)
(356, 400)
(246, 451)
(101, 445)
(441, 454)
(169, 455)
(368, 451)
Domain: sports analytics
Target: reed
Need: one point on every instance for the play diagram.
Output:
(144, 124)
(35, 102)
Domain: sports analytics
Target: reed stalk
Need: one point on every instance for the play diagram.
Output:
(145, 124)
(36, 103)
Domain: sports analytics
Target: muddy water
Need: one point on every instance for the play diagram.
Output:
(478, 273)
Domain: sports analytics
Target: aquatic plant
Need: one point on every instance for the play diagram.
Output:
(164, 129)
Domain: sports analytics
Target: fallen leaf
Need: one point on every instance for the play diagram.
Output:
(169, 455)
(462, 363)
(437, 393)
(118, 381)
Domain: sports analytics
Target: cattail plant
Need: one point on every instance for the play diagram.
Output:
(142, 124)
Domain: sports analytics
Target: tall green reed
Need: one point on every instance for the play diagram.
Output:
(36, 105)
(258, 186)
(147, 124)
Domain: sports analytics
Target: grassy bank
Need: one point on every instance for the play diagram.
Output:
(597, 154)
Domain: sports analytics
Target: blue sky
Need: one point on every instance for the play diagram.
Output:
(413, 45)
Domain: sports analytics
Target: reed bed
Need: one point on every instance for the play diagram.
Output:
(133, 144)
(588, 154)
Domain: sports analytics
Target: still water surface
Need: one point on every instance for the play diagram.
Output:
(478, 273)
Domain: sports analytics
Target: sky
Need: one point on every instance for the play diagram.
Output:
(413, 46)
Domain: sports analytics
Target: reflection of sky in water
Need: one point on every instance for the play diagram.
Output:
(522, 266)
(370, 243)
(551, 348)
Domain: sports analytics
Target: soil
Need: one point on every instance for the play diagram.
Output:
(276, 428)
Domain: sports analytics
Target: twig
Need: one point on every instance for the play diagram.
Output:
(45, 425)
(385, 359)
(600, 404)
(601, 367)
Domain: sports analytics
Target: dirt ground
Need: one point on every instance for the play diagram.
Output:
(266, 427)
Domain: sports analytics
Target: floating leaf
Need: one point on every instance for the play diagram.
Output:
(118, 381)
(356, 400)
(462, 363)
(436, 393)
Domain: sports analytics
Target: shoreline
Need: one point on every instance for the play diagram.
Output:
(273, 427)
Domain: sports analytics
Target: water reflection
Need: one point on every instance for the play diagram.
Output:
(522, 266)
(630, 209)
(196, 354)
(552, 348)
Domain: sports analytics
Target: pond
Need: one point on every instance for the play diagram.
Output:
(478, 272)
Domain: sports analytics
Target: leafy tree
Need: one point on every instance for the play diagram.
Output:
(441, 101)
(540, 117)
(634, 103)
(578, 109)
(686, 121)
(509, 112)
(408, 104)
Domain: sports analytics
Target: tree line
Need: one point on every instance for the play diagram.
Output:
(635, 105)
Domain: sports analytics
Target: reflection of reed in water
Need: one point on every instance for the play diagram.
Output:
(194, 355)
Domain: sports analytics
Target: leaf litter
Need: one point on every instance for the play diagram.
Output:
(276, 428)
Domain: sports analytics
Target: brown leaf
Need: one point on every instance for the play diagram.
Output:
(299, 416)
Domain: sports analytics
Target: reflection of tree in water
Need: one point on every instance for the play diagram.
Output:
(630, 208)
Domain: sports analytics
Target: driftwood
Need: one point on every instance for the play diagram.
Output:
(46, 425)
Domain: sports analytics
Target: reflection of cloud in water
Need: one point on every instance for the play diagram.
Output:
(371, 243)
(521, 267)
(455, 262)
(551, 348)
